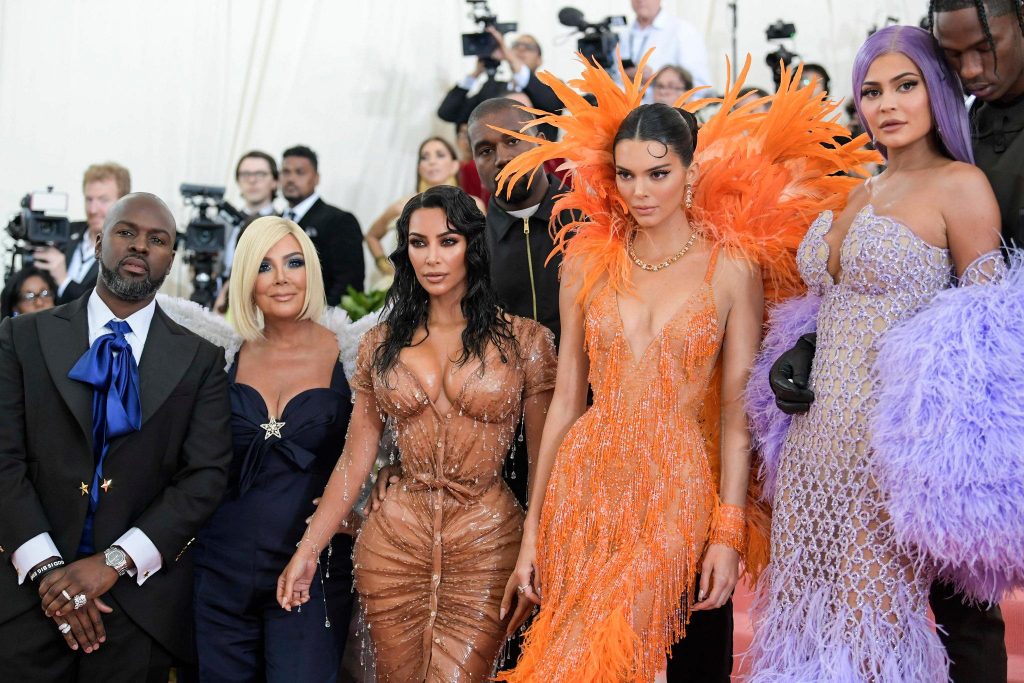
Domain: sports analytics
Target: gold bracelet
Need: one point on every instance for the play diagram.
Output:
(730, 528)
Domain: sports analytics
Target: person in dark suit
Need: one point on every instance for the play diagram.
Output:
(74, 267)
(524, 59)
(114, 449)
(335, 233)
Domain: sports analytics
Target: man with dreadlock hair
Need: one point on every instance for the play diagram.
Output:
(983, 41)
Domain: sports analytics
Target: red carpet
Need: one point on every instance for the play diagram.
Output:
(1013, 614)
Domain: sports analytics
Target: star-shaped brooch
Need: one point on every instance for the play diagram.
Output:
(107, 483)
(84, 488)
(272, 428)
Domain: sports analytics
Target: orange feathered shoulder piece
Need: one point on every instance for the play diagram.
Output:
(763, 177)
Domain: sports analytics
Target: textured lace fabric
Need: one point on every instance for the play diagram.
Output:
(840, 602)
(432, 562)
(629, 503)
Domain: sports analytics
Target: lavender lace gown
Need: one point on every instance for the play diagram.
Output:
(840, 602)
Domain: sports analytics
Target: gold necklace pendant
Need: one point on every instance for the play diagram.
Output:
(655, 267)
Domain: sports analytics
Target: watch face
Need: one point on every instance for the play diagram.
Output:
(115, 557)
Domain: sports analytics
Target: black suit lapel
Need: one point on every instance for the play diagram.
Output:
(168, 353)
(63, 338)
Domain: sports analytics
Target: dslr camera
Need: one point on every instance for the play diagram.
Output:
(483, 44)
(781, 56)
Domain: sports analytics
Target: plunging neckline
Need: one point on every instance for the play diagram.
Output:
(422, 387)
(288, 403)
(679, 310)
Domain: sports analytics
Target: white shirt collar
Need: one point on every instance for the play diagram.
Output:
(99, 314)
(525, 213)
(304, 206)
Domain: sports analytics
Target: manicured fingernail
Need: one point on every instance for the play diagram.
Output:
(501, 613)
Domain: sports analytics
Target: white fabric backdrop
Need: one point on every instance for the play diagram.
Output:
(177, 91)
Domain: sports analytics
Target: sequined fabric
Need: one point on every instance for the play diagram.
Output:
(840, 601)
(432, 562)
(629, 503)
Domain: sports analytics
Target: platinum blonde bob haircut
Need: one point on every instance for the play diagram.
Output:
(256, 240)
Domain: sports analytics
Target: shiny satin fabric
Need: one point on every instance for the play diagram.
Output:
(432, 562)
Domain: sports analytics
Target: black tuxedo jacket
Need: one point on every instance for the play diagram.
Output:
(339, 242)
(74, 290)
(167, 478)
(457, 105)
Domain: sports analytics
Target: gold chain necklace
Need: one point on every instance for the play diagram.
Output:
(655, 267)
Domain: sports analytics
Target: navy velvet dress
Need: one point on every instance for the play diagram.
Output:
(241, 632)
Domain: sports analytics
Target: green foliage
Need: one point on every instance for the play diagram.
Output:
(359, 304)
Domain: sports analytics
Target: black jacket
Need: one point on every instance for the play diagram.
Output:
(74, 290)
(507, 239)
(997, 136)
(339, 241)
(457, 105)
(168, 477)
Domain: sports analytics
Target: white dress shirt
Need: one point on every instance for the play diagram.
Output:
(298, 212)
(675, 41)
(81, 261)
(134, 542)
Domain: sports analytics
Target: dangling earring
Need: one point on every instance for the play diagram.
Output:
(689, 196)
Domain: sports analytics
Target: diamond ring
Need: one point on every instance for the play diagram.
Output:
(66, 596)
(80, 601)
(64, 628)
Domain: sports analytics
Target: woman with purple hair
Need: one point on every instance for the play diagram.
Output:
(868, 487)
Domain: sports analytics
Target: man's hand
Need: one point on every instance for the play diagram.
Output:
(52, 259)
(388, 475)
(84, 627)
(89, 576)
(790, 376)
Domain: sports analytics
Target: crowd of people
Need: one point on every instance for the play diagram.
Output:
(627, 355)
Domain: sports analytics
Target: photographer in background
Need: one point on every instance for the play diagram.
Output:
(524, 58)
(74, 269)
(257, 176)
(676, 42)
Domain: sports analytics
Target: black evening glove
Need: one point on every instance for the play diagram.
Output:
(790, 374)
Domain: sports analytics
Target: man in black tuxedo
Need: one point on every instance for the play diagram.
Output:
(73, 267)
(335, 233)
(114, 448)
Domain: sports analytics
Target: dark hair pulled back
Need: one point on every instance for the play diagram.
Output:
(675, 128)
(408, 304)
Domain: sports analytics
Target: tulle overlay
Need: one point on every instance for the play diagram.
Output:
(632, 498)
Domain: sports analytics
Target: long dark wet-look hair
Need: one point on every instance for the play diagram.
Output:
(408, 304)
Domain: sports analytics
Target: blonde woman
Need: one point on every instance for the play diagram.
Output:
(290, 407)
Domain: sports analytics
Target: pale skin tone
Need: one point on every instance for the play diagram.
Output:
(653, 181)
(256, 183)
(437, 253)
(921, 188)
(137, 240)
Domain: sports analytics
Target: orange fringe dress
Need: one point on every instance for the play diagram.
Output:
(632, 501)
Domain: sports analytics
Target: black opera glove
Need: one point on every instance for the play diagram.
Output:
(790, 375)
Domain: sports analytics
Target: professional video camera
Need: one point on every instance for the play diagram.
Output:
(483, 44)
(781, 55)
(599, 40)
(206, 236)
(42, 221)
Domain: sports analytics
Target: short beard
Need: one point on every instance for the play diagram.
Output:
(129, 290)
(520, 192)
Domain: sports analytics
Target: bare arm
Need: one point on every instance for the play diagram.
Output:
(972, 227)
(339, 497)
(741, 283)
(379, 228)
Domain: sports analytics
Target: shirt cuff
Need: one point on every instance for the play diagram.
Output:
(31, 553)
(64, 285)
(144, 554)
(467, 82)
(521, 78)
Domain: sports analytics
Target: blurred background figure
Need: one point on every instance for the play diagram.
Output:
(669, 83)
(27, 291)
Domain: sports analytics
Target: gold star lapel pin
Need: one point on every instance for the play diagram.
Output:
(107, 483)
(84, 488)
(272, 428)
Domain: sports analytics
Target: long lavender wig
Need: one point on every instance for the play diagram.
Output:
(945, 94)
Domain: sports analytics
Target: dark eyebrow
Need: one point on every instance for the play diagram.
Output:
(913, 74)
(649, 170)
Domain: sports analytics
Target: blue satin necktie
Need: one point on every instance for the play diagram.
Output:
(109, 367)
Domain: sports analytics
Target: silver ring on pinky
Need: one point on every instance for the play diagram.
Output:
(522, 588)
(66, 595)
(64, 628)
(80, 600)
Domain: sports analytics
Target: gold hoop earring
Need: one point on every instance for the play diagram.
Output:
(689, 196)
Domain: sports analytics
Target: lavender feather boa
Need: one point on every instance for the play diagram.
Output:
(787, 321)
(948, 433)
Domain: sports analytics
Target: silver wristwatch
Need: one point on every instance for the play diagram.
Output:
(116, 559)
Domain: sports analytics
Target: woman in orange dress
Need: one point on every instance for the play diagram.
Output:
(638, 507)
(456, 374)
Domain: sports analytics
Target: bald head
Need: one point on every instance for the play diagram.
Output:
(140, 202)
